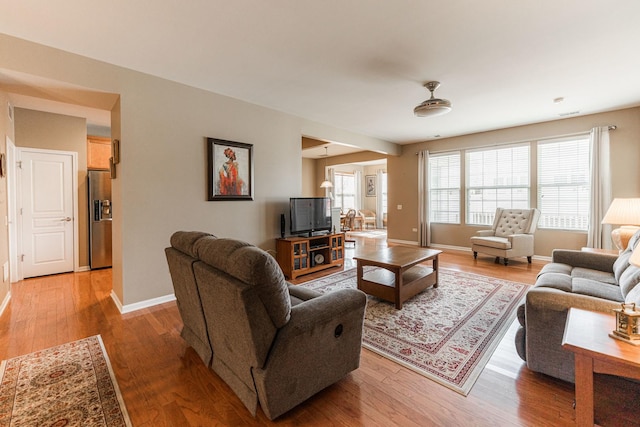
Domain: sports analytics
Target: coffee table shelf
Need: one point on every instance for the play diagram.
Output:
(400, 275)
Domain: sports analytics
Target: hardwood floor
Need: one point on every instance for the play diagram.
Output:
(164, 383)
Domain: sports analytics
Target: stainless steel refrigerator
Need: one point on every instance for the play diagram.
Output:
(99, 185)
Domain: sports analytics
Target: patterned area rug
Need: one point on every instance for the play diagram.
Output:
(446, 333)
(68, 385)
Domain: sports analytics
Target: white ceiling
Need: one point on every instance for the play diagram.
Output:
(360, 64)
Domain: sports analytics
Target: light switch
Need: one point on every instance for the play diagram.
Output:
(399, 207)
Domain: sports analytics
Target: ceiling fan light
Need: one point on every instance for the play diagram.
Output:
(326, 184)
(432, 106)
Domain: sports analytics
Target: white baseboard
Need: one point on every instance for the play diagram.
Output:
(403, 242)
(83, 268)
(142, 304)
(5, 302)
(467, 249)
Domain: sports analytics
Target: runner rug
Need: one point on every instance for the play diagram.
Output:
(68, 385)
(446, 333)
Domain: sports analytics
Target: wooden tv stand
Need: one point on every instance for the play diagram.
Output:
(303, 255)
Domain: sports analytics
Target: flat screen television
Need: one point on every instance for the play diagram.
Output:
(310, 215)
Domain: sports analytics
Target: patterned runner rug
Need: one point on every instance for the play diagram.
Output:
(68, 385)
(446, 333)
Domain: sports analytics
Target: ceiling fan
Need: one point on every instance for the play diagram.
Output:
(433, 106)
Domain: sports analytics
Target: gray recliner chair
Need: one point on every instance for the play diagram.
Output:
(275, 343)
(510, 236)
(181, 257)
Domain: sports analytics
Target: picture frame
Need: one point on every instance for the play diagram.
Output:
(370, 185)
(229, 170)
(115, 151)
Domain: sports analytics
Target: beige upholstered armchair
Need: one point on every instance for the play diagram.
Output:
(511, 235)
(368, 218)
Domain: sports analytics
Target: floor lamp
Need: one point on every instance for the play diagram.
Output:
(626, 213)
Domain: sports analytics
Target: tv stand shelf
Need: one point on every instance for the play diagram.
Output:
(304, 255)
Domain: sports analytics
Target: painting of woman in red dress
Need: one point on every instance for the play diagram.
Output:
(230, 170)
(230, 183)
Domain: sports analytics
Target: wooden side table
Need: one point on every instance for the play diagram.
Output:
(587, 335)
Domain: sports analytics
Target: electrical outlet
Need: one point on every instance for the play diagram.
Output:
(415, 230)
(399, 207)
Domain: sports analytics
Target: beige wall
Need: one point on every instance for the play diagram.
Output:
(161, 179)
(6, 130)
(309, 185)
(37, 129)
(403, 175)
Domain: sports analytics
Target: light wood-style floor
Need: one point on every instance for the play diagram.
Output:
(164, 383)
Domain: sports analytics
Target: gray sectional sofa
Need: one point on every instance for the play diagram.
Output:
(582, 279)
(273, 343)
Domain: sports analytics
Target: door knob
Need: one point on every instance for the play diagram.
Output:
(67, 219)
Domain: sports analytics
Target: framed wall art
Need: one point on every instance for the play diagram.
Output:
(370, 183)
(230, 170)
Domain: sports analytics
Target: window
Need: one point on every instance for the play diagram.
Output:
(496, 177)
(444, 188)
(345, 191)
(564, 184)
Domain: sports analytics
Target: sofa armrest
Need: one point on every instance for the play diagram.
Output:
(583, 259)
(485, 233)
(545, 318)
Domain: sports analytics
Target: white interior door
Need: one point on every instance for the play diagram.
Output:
(47, 213)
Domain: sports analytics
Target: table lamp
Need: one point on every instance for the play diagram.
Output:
(626, 213)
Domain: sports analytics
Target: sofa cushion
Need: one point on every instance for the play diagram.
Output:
(629, 280)
(184, 241)
(621, 265)
(596, 289)
(254, 267)
(555, 280)
(492, 242)
(556, 267)
(597, 275)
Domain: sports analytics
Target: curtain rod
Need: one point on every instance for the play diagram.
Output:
(609, 127)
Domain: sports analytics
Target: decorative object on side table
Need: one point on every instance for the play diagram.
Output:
(627, 324)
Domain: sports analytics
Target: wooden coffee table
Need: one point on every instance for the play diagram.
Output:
(400, 276)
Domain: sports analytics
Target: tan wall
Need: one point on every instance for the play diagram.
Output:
(309, 186)
(6, 130)
(37, 129)
(161, 180)
(403, 175)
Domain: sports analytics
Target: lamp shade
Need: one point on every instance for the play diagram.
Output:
(326, 184)
(623, 212)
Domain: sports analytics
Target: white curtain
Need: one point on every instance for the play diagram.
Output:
(424, 230)
(358, 176)
(598, 236)
(379, 198)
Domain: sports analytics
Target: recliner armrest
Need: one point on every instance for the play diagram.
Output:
(302, 293)
(323, 309)
(485, 233)
(583, 259)
(520, 239)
